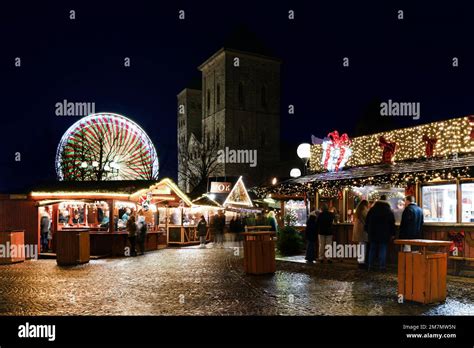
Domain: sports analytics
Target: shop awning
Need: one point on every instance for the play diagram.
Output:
(386, 169)
(397, 174)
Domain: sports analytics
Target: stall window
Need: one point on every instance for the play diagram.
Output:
(467, 191)
(439, 203)
(295, 211)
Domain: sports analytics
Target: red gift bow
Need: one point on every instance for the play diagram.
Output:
(471, 123)
(389, 149)
(341, 141)
(430, 144)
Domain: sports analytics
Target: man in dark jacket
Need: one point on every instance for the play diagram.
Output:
(324, 224)
(412, 221)
(380, 225)
(311, 233)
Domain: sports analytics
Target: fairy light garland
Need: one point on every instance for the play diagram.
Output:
(453, 137)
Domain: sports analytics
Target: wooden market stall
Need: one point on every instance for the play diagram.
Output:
(100, 208)
(433, 162)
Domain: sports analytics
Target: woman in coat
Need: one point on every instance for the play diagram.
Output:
(311, 233)
(202, 231)
(132, 235)
(359, 234)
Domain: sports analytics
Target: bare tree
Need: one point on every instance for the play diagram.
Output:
(199, 162)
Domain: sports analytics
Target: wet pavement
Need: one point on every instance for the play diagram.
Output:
(192, 281)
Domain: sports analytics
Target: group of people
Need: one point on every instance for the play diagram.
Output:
(374, 228)
(137, 230)
(216, 226)
(236, 225)
(319, 225)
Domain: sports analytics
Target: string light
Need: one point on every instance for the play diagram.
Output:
(453, 137)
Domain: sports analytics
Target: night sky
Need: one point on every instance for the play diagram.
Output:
(81, 60)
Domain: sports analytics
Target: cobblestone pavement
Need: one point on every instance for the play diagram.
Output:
(192, 281)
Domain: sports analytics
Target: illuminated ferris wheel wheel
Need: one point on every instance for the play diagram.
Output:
(106, 146)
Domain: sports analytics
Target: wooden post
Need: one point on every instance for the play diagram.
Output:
(111, 204)
(344, 205)
(166, 225)
(316, 200)
(459, 201)
(54, 225)
(86, 212)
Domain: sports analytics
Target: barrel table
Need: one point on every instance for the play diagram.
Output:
(13, 246)
(259, 252)
(72, 247)
(422, 273)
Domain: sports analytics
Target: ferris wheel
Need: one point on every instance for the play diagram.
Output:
(106, 146)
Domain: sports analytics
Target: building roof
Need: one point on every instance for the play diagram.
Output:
(385, 169)
(116, 186)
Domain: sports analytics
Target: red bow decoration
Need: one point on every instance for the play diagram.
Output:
(389, 149)
(430, 144)
(471, 123)
(336, 141)
(458, 241)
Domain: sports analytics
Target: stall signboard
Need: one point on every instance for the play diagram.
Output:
(220, 187)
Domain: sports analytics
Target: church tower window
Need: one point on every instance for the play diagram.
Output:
(218, 94)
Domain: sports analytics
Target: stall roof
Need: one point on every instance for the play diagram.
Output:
(384, 169)
(115, 186)
(111, 190)
(216, 199)
(406, 172)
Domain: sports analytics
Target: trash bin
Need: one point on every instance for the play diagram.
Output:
(14, 246)
(72, 247)
(422, 273)
(259, 252)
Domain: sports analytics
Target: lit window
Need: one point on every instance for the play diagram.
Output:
(439, 203)
(467, 202)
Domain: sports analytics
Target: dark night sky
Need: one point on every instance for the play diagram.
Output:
(82, 60)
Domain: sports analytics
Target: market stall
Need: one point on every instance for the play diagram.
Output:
(432, 162)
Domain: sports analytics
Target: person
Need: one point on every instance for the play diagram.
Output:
(359, 234)
(105, 221)
(412, 221)
(202, 232)
(311, 233)
(141, 233)
(324, 227)
(132, 234)
(380, 226)
(126, 215)
(45, 225)
(75, 219)
(272, 222)
(219, 229)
